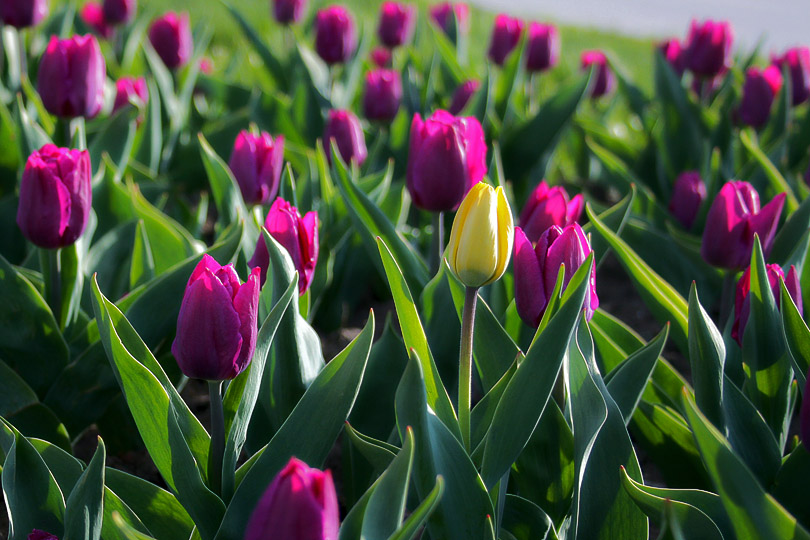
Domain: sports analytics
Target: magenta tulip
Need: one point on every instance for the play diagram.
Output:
(462, 96)
(170, 35)
(119, 11)
(603, 79)
(92, 16)
(23, 13)
(300, 504)
(397, 23)
(672, 51)
(742, 299)
(129, 89)
(547, 207)
(446, 158)
(505, 37)
(543, 47)
(217, 325)
(687, 196)
(732, 221)
(36, 534)
(442, 15)
(71, 77)
(708, 47)
(335, 35)
(344, 128)
(288, 11)
(797, 61)
(381, 57)
(759, 91)
(256, 162)
(383, 95)
(55, 196)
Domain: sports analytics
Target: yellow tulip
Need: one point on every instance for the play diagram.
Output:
(481, 240)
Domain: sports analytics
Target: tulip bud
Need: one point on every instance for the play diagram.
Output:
(687, 196)
(708, 47)
(603, 80)
(288, 11)
(442, 15)
(760, 89)
(128, 88)
(543, 48)
(298, 235)
(481, 239)
(217, 325)
(345, 129)
(547, 207)
(119, 11)
(300, 504)
(55, 196)
(732, 221)
(36, 534)
(797, 61)
(673, 53)
(170, 35)
(71, 77)
(505, 37)
(804, 417)
(742, 300)
(397, 23)
(93, 17)
(383, 95)
(536, 270)
(462, 96)
(446, 158)
(381, 57)
(256, 162)
(335, 36)
(23, 13)
(206, 66)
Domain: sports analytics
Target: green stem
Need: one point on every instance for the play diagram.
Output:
(727, 296)
(23, 55)
(465, 364)
(49, 262)
(217, 451)
(438, 241)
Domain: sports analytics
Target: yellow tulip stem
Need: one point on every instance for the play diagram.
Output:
(465, 365)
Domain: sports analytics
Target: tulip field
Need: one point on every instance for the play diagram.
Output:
(395, 281)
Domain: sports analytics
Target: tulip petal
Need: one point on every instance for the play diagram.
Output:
(530, 293)
(477, 257)
(766, 222)
(246, 304)
(44, 208)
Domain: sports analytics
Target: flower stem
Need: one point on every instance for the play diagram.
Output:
(49, 262)
(438, 241)
(217, 450)
(727, 296)
(465, 364)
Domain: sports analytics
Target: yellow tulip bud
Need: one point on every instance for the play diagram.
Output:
(481, 239)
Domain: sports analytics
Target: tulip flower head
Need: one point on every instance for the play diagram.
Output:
(742, 299)
(603, 79)
(381, 57)
(119, 11)
(548, 206)
(36, 534)
(256, 162)
(462, 96)
(335, 35)
(673, 53)
(797, 61)
(344, 128)
(708, 47)
(55, 196)
(481, 238)
(92, 15)
(537, 268)
(687, 196)
(298, 235)
(288, 11)
(505, 37)
(170, 35)
(23, 13)
(543, 48)
(442, 14)
(732, 221)
(71, 77)
(129, 88)
(217, 325)
(397, 23)
(759, 91)
(446, 158)
(300, 504)
(383, 95)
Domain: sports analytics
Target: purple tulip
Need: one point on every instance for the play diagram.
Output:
(344, 127)
(397, 23)
(505, 37)
(170, 35)
(92, 16)
(742, 299)
(300, 504)
(55, 196)
(36, 534)
(547, 207)
(442, 15)
(256, 162)
(797, 61)
(71, 77)
(672, 51)
(446, 158)
(119, 11)
(543, 48)
(804, 417)
(603, 80)
(381, 57)
(462, 96)
(298, 235)
(335, 35)
(687, 196)
(288, 11)
(708, 47)
(383, 95)
(128, 88)
(759, 91)
(732, 221)
(536, 269)
(23, 13)
(216, 328)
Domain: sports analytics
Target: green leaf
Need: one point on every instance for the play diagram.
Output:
(378, 453)
(85, 505)
(115, 139)
(417, 519)
(273, 64)
(31, 136)
(707, 356)
(778, 182)
(614, 217)
(511, 77)
(784, 244)
(789, 486)
(526, 521)
(797, 336)
(142, 268)
(484, 411)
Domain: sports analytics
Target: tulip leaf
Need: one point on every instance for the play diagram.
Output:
(308, 433)
(510, 77)
(614, 217)
(85, 505)
(707, 357)
(778, 182)
(484, 411)
(526, 521)
(415, 521)
(128, 532)
(274, 66)
(115, 139)
(797, 336)
(378, 453)
(142, 268)
(31, 136)
(448, 55)
(785, 241)
(789, 486)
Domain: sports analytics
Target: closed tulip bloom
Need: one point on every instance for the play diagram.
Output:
(71, 77)
(462, 96)
(708, 47)
(732, 221)
(300, 504)
(603, 79)
(298, 235)
(687, 196)
(672, 51)
(797, 61)
(119, 11)
(742, 299)
(23, 13)
(55, 196)
(536, 269)
(543, 47)
(446, 158)
(93, 17)
(383, 95)
(549, 206)
(381, 57)
(170, 35)
(344, 127)
(481, 239)
(335, 35)
(288, 11)
(217, 325)
(129, 88)
(442, 15)
(256, 162)
(36, 534)
(759, 91)
(397, 23)
(505, 37)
